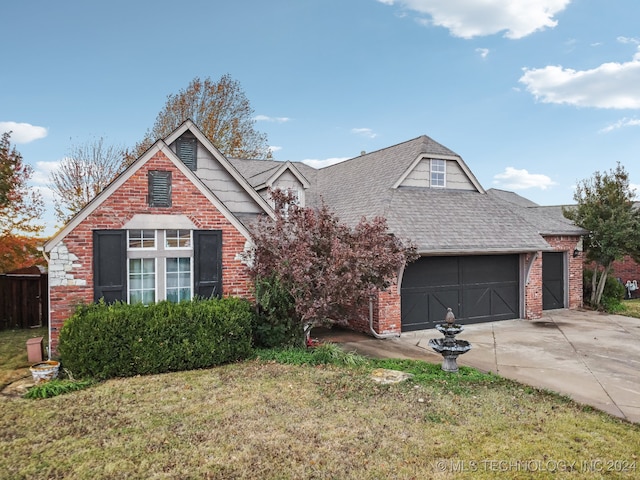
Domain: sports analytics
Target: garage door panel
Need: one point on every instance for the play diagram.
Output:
(487, 289)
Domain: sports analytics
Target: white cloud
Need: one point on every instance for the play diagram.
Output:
(265, 118)
(42, 170)
(635, 188)
(473, 18)
(324, 163)
(632, 40)
(515, 179)
(483, 52)
(365, 132)
(273, 148)
(611, 85)
(23, 132)
(625, 122)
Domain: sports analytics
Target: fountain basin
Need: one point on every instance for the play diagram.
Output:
(449, 346)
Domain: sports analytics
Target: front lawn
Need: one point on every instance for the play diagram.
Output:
(13, 353)
(632, 308)
(279, 417)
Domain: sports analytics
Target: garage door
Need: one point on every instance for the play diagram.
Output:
(477, 288)
(552, 280)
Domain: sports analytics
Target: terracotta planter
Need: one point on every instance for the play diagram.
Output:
(45, 371)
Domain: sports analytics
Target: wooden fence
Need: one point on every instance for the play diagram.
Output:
(23, 301)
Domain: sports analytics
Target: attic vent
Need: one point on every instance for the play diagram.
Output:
(159, 188)
(187, 148)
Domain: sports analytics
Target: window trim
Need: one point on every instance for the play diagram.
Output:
(433, 162)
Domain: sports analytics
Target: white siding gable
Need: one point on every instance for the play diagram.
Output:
(455, 177)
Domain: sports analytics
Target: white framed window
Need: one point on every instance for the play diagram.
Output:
(160, 265)
(141, 239)
(142, 280)
(178, 239)
(438, 172)
(178, 279)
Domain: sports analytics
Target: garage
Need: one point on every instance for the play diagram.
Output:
(481, 288)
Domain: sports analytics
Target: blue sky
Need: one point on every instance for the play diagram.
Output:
(534, 95)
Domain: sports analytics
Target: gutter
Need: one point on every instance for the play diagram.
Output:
(44, 254)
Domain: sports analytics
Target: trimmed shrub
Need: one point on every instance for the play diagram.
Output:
(120, 340)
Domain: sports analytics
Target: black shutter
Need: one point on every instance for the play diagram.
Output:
(110, 265)
(187, 148)
(207, 253)
(159, 188)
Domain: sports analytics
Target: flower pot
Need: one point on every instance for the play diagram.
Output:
(45, 371)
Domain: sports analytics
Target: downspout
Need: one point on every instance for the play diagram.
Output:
(44, 254)
(373, 332)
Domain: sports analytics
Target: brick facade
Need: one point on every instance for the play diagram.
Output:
(71, 261)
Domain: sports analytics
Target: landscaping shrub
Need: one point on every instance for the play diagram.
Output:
(612, 295)
(56, 387)
(120, 340)
(276, 323)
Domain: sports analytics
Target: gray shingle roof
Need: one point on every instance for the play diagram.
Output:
(438, 221)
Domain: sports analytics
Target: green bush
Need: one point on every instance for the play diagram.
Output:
(56, 387)
(612, 295)
(276, 323)
(120, 340)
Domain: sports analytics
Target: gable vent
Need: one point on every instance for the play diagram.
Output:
(159, 188)
(187, 148)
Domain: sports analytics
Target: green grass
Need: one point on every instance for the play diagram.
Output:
(632, 308)
(297, 413)
(13, 353)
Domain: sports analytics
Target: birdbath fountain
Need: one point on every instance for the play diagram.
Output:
(448, 346)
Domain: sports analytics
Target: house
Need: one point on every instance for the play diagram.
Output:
(176, 223)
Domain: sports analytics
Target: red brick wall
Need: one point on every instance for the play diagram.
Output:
(533, 287)
(130, 199)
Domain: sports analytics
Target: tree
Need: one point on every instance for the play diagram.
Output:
(87, 169)
(328, 268)
(605, 209)
(20, 206)
(220, 109)
(19, 252)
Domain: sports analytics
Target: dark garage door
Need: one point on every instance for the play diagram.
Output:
(552, 280)
(477, 288)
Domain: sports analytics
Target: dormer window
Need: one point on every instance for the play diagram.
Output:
(187, 150)
(438, 170)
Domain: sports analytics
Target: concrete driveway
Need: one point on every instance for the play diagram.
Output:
(591, 357)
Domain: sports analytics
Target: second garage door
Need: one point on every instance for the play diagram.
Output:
(477, 288)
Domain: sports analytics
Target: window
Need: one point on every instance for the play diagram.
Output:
(178, 239)
(187, 148)
(147, 266)
(159, 188)
(142, 280)
(142, 239)
(178, 279)
(438, 169)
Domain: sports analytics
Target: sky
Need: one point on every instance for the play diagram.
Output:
(534, 95)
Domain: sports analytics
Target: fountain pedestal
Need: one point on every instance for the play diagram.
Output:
(449, 347)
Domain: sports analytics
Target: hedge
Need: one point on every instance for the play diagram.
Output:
(119, 340)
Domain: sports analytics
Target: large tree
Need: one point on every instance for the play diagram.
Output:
(82, 174)
(21, 207)
(220, 109)
(605, 208)
(326, 267)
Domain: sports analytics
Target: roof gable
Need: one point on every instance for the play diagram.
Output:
(159, 147)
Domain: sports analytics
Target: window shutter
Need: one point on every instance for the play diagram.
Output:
(159, 188)
(110, 265)
(187, 148)
(207, 253)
